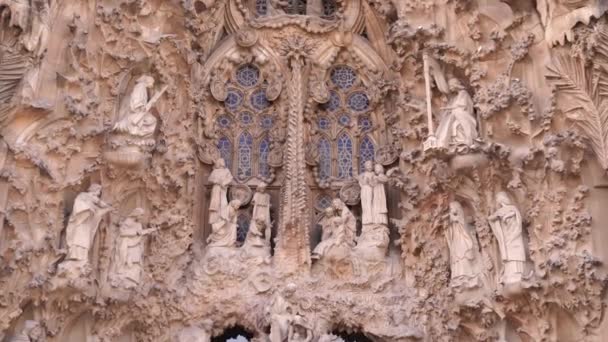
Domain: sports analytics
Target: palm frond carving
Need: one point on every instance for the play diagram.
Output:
(583, 94)
(12, 68)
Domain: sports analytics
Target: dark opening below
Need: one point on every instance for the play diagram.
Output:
(233, 332)
(353, 337)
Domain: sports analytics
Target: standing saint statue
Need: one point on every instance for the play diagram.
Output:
(223, 232)
(220, 177)
(367, 182)
(129, 254)
(138, 121)
(506, 224)
(281, 314)
(458, 126)
(261, 211)
(380, 210)
(463, 248)
(82, 226)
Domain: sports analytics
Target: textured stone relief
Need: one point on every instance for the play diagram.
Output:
(290, 170)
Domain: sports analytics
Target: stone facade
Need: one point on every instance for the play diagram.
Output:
(291, 170)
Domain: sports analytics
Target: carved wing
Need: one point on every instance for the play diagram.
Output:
(12, 68)
(583, 96)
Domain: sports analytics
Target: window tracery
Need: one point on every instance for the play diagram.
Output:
(242, 227)
(245, 124)
(344, 136)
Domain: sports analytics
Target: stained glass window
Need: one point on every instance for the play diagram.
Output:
(324, 122)
(366, 151)
(225, 147)
(234, 99)
(358, 101)
(242, 227)
(267, 122)
(343, 77)
(344, 119)
(223, 121)
(345, 157)
(259, 101)
(246, 118)
(323, 202)
(264, 169)
(365, 123)
(261, 7)
(324, 158)
(248, 75)
(244, 167)
(333, 103)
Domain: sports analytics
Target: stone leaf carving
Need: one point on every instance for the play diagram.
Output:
(583, 94)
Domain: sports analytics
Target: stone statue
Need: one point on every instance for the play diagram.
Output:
(328, 237)
(347, 219)
(281, 314)
(32, 332)
(299, 331)
(458, 126)
(129, 254)
(220, 177)
(82, 226)
(373, 195)
(463, 247)
(38, 36)
(261, 212)
(223, 232)
(138, 121)
(506, 224)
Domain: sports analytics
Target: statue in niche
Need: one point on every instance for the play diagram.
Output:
(257, 242)
(220, 177)
(458, 126)
(506, 225)
(347, 219)
(82, 226)
(32, 332)
(261, 212)
(223, 232)
(463, 247)
(128, 260)
(299, 331)
(373, 195)
(281, 314)
(138, 121)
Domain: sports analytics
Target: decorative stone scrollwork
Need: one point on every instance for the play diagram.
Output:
(246, 38)
(242, 193)
(387, 155)
(350, 193)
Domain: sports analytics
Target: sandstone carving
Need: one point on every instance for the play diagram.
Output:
(292, 170)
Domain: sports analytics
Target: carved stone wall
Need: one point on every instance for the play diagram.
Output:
(289, 170)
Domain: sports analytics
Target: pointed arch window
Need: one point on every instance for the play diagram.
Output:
(324, 158)
(244, 168)
(225, 147)
(367, 151)
(264, 168)
(345, 157)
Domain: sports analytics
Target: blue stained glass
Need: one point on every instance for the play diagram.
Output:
(324, 159)
(358, 101)
(246, 118)
(267, 122)
(344, 120)
(324, 122)
(234, 99)
(259, 101)
(223, 121)
(329, 8)
(365, 123)
(333, 103)
(264, 169)
(261, 7)
(343, 77)
(244, 156)
(225, 147)
(248, 75)
(345, 157)
(242, 227)
(366, 152)
(323, 202)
